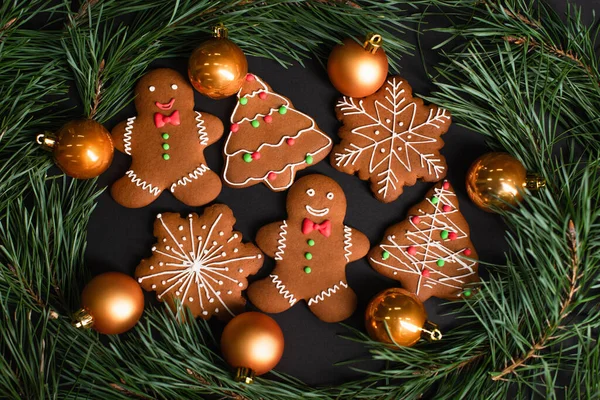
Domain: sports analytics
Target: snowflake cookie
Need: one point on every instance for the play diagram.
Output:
(430, 252)
(200, 261)
(391, 138)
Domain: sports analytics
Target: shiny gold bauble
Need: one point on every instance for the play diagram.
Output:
(395, 315)
(112, 303)
(252, 343)
(217, 68)
(82, 149)
(498, 180)
(356, 70)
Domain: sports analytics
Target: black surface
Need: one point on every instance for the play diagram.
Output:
(119, 237)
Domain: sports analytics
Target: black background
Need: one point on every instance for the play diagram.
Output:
(118, 237)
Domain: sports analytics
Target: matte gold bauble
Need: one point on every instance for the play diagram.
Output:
(112, 303)
(356, 70)
(218, 66)
(396, 315)
(82, 149)
(252, 343)
(498, 180)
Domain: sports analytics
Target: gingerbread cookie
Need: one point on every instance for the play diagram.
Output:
(166, 142)
(311, 249)
(201, 262)
(269, 140)
(391, 139)
(430, 252)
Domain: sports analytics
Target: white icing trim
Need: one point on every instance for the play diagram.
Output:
(263, 88)
(127, 135)
(347, 242)
(202, 134)
(282, 290)
(316, 212)
(195, 174)
(321, 296)
(281, 248)
(143, 184)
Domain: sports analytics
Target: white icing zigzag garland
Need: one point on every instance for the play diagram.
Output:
(429, 251)
(326, 293)
(347, 242)
(127, 135)
(388, 141)
(195, 174)
(202, 135)
(281, 241)
(145, 185)
(282, 291)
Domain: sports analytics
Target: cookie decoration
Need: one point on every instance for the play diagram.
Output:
(391, 139)
(166, 141)
(430, 252)
(201, 262)
(269, 140)
(311, 249)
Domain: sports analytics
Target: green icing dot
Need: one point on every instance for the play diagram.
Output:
(444, 234)
(243, 101)
(440, 263)
(166, 156)
(247, 157)
(310, 242)
(282, 110)
(434, 200)
(309, 159)
(467, 292)
(307, 270)
(255, 123)
(385, 255)
(165, 136)
(308, 256)
(166, 146)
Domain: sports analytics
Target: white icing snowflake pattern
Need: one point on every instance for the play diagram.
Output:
(386, 140)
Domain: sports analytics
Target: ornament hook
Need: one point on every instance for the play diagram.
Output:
(432, 330)
(220, 31)
(534, 182)
(47, 140)
(245, 375)
(82, 319)
(373, 41)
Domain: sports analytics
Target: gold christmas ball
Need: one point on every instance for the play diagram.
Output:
(112, 303)
(403, 314)
(82, 149)
(218, 66)
(356, 70)
(252, 343)
(496, 180)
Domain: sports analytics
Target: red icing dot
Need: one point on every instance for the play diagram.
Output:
(446, 185)
(255, 155)
(446, 208)
(452, 236)
(272, 176)
(467, 252)
(425, 273)
(234, 128)
(415, 219)
(412, 250)
(249, 77)
(262, 95)
(268, 119)
(290, 141)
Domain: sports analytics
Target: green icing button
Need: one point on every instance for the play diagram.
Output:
(282, 110)
(248, 157)
(444, 234)
(309, 159)
(307, 270)
(166, 156)
(440, 263)
(243, 101)
(255, 123)
(385, 255)
(165, 136)
(434, 200)
(166, 146)
(467, 292)
(310, 242)
(308, 256)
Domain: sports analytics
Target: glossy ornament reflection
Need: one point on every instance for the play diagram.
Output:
(218, 66)
(356, 70)
(397, 316)
(252, 343)
(82, 149)
(112, 303)
(498, 180)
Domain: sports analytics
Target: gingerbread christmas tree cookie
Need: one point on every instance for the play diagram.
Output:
(311, 248)
(430, 253)
(391, 139)
(200, 261)
(269, 140)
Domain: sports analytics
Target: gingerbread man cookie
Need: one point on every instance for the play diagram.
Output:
(311, 249)
(166, 142)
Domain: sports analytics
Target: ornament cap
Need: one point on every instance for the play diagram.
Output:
(220, 31)
(47, 140)
(245, 375)
(431, 332)
(534, 182)
(82, 319)
(373, 41)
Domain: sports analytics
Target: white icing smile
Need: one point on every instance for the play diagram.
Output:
(317, 212)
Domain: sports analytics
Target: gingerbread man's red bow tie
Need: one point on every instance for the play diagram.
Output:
(160, 120)
(308, 226)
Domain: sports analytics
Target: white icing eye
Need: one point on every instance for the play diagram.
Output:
(330, 195)
(174, 86)
(310, 192)
(152, 88)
